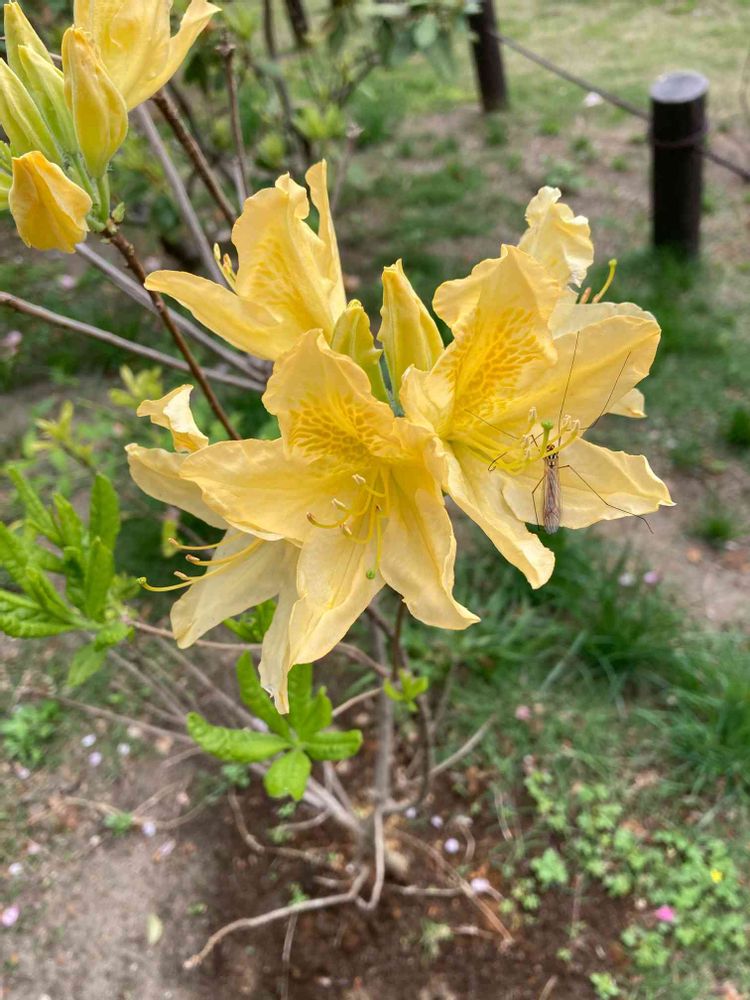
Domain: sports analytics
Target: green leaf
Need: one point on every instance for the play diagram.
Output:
(100, 571)
(36, 513)
(316, 716)
(14, 555)
(333, 745)
(256, 698)
(237, 745)
(300, 690)
(22, 618)
(112, 634)
(288, 775)
(42, 590)
(104, 512)
(85, 663)
(70, 524)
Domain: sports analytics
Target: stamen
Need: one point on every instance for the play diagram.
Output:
(584, 297)
(610, 278)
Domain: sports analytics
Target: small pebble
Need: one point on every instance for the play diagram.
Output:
(626, 579)
(95, 840)
(451, 846)
(15, 869)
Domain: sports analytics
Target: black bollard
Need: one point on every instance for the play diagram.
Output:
(488, 57)
(678, 131)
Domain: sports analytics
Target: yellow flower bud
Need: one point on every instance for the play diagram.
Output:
(49, 210)
(134, 40)
(21, 119)
(19, 32)
(45, 81)
(5, 182)
(99, 111)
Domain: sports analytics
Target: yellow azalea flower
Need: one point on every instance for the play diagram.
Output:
(556, 238)
(352, 485)
(49, 209)
(288, 280)
(506, 394)
(22, 120)
(244, 569)
(98, 109)
(408, 332)
(135, 43)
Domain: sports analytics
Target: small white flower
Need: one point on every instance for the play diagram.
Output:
(451, 846)
(10, 915)
(480, 886)
(123, 749)
(88, 740)
(67, 282)
(148, 828)
(95, 758)
(626, 579)
(437, 821)
(15, 869)
(592, 99)
(410, 813)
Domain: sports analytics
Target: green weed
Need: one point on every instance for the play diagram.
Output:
(28, 730)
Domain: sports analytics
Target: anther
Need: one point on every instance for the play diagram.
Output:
(338, 504)
(359, 480)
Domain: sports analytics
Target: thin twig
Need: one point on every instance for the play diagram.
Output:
(226, 51)
(66, 323)
(256, 369)
(178, 710)
(547, 991)
(128, 252)
(334, 786)
(373, 612)
(198, 158)
(489, 914)
(357, 699)
(179, 191)
(425, 753)
(427, 891)
(286, 954)
(250, 923)
(379, 844)
(462, 751)
(105, 713)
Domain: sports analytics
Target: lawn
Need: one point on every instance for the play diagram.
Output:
(602, 817)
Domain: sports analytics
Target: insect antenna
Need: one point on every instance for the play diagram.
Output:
(493, 464)
(609, 397)
(567, 384)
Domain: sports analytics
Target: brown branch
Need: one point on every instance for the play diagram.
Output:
(226, 51)
(356, 700)
(198, 158)
(67, 323)
(250, 923)
(129, 255)
(467, 747)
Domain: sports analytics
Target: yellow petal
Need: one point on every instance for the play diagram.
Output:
(283, 264)
(46, 83)
(98, 109)
(419, 550)
(335, 586)
(256, 487)
(241, 323)
(504, 345)
(326, 409)
(48, 209)
(596, 485)
(18, 32)
(21, 119)
(408, 332)
(173, 412)
(352, 336)
(454, 301)
(558, 239)
(632, 404)
(157, 473)
(275, 661)
(194, 21)
(595, 367)
(478, 493)
(317, 181)
(254, 576)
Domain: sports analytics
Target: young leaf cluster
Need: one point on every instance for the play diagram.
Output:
(54, 542)
(294, 741)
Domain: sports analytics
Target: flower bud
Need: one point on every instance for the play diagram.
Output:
(20, 118)
(5, 182)
(99, 111)
(18, 32)
(49, 209)
(45, 81)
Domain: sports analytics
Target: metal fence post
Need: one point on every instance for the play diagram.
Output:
(488, 57)
(678, 130)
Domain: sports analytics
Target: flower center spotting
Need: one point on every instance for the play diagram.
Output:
(362, 516)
